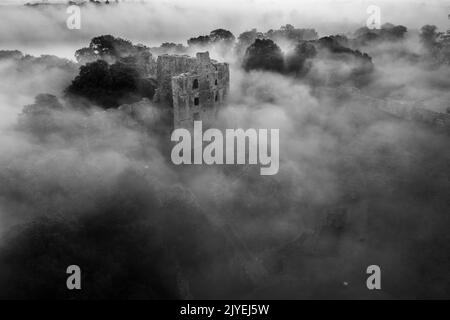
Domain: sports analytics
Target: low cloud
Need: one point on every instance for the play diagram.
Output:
(356, 186)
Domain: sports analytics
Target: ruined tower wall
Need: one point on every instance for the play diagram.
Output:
(198, 93)
(195, 87)
(167, 67)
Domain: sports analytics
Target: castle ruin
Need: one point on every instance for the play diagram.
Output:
(401, 109)
(196, 88)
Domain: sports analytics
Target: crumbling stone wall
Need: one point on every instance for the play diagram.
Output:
(417, 113)
(194, 87)
(401, 109)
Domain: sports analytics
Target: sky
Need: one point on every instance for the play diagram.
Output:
(38, 31)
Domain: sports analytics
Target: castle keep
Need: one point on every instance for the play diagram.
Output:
(195, 87)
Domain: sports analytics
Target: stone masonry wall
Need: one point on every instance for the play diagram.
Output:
(401, 109)
(194, 87)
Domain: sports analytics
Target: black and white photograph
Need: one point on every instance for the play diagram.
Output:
(239, 150)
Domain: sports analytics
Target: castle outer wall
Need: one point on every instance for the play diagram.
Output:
(195, 87)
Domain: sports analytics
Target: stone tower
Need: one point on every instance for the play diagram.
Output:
(195, 87)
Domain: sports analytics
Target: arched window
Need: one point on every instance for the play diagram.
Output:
(217, 97)
(195, 84)
(215, 82)
(196, 101)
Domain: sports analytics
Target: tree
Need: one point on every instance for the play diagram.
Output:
(248, 37)
(264, 54)
(341, 64)
(11, 54)
(93, 82)
(108, 45)
(387, 26)
(222, 35)
(41, 117)
(429, 36)
(43, 104)
(200, 41)
(105, 47)
(289, 32)
(169, 48)
(217, 36)
(124, 78)
(299, 61)
(109, 86)
(112, 49)
(397, 32)
(85, 55)
(245, 39)
(387, 32)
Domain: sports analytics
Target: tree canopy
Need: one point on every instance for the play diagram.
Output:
(110, 85)
(111, 50)
(218, 36)
(264, 54)
(298, 62)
